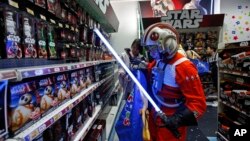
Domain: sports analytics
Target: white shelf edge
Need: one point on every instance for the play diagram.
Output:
(112, 114)
(57, 112)
(56, 68)
(82, 132)
(222, 136)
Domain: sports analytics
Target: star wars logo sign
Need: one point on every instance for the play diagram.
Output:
(183, 18)
(102, 4)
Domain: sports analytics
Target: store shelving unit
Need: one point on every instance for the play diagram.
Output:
(33, 131)
(234, 88)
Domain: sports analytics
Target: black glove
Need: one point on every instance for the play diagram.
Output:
(183, 117)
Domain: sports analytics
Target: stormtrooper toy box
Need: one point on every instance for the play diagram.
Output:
(23, 107)
(62, 89)
(46, 95)
(3, 108)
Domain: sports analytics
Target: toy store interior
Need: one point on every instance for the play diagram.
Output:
(124, 70)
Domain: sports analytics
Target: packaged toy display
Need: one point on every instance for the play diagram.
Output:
(3, 108)
(82, 79)
(28, 36)
(62, 87)
(74, 83)
(41, 3)
(51, 6)
(41, 39)
(51, 42)
(9, 30)
(46, 95)
(23, 106)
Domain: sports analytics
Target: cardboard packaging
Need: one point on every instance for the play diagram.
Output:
(45, 94)
(28, 36)
(10, 36)
(23, 106)
(62, 89)
(41, 39)
(3, 108)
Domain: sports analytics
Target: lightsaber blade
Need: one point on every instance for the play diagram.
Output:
(138, 84)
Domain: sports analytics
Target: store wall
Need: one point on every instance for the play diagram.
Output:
(237, 20)
(126, 13)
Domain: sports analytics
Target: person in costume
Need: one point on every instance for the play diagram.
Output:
(176, 86)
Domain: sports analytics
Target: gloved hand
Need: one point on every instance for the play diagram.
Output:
(183, 117)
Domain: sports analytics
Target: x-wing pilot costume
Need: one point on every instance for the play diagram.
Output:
(176, 86)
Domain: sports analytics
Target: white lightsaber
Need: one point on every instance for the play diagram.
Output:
(127, 70)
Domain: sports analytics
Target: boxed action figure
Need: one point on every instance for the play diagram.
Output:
(51, 42)
(23, 107)
(51, 6)
(82, 79)
(74, 83)
(41, 3)
(41, 39)
(9, 30)
(62, 87)
(46, 95)
(28, 36)
(3, 108)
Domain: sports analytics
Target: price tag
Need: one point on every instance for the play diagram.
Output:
(14, 4)
(52, 21)
(43, 17)
(67, 26)
(71, 106)
(38, 72)
(58, 116)
(60, 25)
(56, 69)
(42, 128)
(30, 11)
(69, 67)
(34, 134)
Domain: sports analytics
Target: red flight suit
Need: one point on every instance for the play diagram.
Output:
(189, 88)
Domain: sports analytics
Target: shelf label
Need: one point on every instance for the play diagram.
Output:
(42, 17)
(60, 25)
(14, 4)
(30, 11)
(56, 69)
(57, 116)
(42, 128)
(52, 21)
(34, 134)
(38, 72)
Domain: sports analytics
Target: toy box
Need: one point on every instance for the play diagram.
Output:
(51, 42)
(90, 75)
(82, 79)
(74, 84)
(62, 88)
(69, 125)
(77, 114)
(51, 6)
(9, 33)
(23, 106)
(41, 3)
(41, 39)
(45, 94)
(3, 108)
(28, 36)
